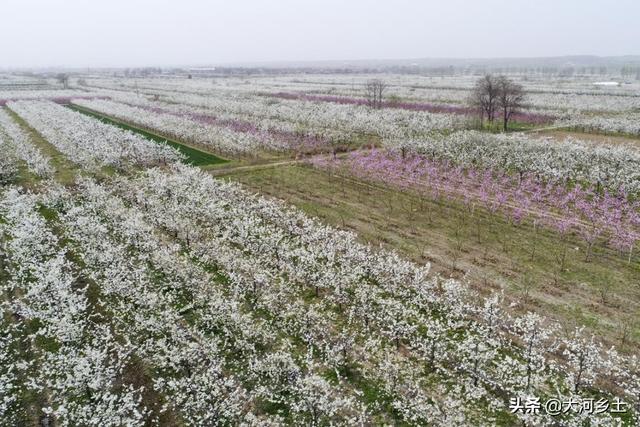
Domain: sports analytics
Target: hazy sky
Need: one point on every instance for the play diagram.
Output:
(181, 32)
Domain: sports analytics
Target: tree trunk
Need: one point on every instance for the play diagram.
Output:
(506, 120)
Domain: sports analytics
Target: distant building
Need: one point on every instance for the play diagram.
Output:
(202, 71)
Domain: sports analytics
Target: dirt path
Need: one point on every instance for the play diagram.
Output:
(222, 171)
(560, 135)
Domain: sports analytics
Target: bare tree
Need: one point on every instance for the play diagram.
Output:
(510, 98)
(484, 97)
(374, 91)
(64, 79)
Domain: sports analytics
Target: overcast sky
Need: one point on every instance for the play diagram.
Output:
(198, 32)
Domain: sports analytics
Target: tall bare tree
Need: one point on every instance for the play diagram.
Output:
(374, 92)
(510, 98)
(64, 79)
(484, 97)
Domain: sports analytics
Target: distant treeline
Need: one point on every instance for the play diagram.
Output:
(625, 72)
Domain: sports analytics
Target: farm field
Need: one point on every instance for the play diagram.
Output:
(281, 249)
(488, 252)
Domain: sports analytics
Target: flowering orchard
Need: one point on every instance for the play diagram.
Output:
(241, 310)
(335, 122)
(611, 218)
(143, 291)
(88, 142)
(572, 161)
(230, 136)
(530, 118)
(18, 144)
